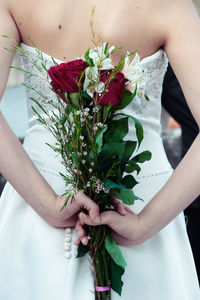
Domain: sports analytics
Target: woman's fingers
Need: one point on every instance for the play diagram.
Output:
(79, 229)
(89, 205)
(106, 218)
(120, 207)
(86, 219)
(128, 209)
(77, 242)
(82, 234)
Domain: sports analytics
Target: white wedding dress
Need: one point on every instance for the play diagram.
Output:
(35, 265)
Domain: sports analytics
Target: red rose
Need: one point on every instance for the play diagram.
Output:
(115, 89)
(66, 75)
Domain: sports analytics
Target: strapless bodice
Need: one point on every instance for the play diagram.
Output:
(148, 112)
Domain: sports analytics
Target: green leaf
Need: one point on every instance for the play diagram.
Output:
(138, 127)
(129, 148)
(127, 98)
(133, 167)
(31, 41)
(121, 62)
(53, 60)
(85, 95)
(146, 97)
(38, 104)
(106, 110)
(117, 131)
(103, 164)
(139, 130)
(109, 184)
(114, 251)
(126, 195)
(138, 198)
(116, 273)
(106, 48)
(141, 157)
(75, 99)
(123, 150)
(113, 149)
(82, 250)
(129, 181)
(99, 140)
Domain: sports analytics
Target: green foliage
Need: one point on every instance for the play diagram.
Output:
(130, 168)
(117, 264)
(138, 127)
(126, 195)
(117, 131)
(99, 140)
(114, 251)
(82, 250)
(129, 181)
(141, 157)
(86, 96)
(127, 98)
(109, 184)
(116, 273)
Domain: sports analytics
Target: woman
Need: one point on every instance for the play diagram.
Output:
(160, 264)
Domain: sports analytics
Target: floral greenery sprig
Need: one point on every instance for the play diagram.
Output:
(86, 118)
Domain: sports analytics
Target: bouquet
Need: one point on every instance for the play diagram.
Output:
(89, 126)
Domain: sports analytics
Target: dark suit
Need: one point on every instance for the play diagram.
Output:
(174, 102)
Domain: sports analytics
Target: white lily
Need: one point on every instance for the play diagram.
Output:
(134, 72)
(100, 59)
(92, 82)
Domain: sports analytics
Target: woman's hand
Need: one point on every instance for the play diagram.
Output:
(126, 228)
(69, 215)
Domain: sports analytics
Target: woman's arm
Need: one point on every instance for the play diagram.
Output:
(15, 164)
(179, 22)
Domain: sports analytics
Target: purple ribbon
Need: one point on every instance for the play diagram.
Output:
(102, 288)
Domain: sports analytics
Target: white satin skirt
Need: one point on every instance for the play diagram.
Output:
(35, 266)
